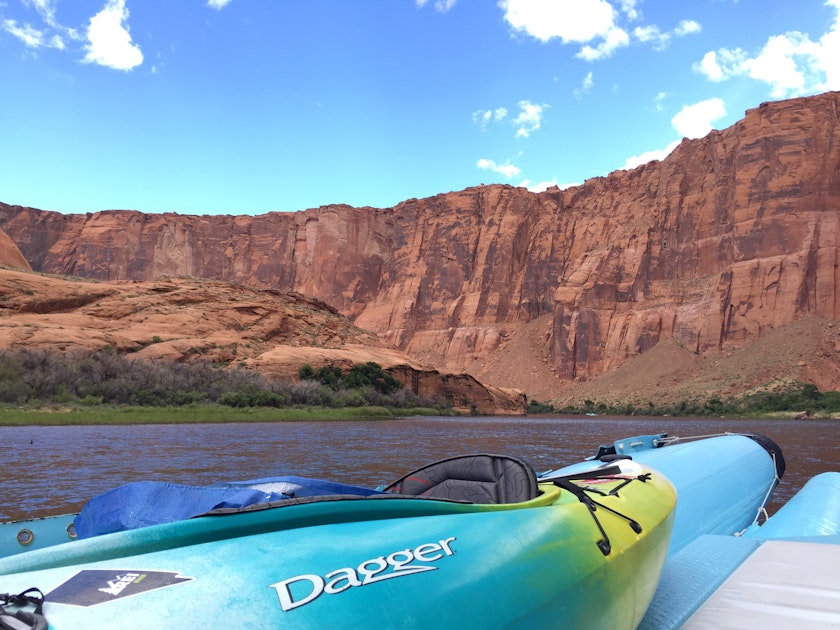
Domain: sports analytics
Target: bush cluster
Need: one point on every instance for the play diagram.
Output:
(38, 377)
(369, 374)
(795, 397)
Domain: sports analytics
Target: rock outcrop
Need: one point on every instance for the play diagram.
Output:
(10, 255)
(186, 319)
(731, 236)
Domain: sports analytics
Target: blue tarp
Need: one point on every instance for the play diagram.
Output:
(145, 503)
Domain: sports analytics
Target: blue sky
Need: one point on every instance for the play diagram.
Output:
(252, 106)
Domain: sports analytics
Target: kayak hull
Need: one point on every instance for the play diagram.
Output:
(26, 536)
(392, 562)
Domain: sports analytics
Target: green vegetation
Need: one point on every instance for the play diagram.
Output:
(196, 414)
(359, 376)
(793, 398)
(107, 387)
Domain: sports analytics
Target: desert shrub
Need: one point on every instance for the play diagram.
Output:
(352, 398)
(304, 392)
(371, 374)
(108, 377)
(368, 374)
(795, 396)
(537, 407)
(14, 391)
(330, 376)
(830, 401)
(13, 388)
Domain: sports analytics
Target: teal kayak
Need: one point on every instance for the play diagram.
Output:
(581, 551)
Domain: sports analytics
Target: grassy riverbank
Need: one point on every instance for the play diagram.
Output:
(104, 387)
(788, 400)
(117, 415)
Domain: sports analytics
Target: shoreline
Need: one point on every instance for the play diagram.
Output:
(221, 414)
(200, 414)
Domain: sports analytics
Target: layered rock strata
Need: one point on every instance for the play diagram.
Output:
(731, 236)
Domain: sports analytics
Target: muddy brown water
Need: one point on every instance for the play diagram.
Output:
(54, 470)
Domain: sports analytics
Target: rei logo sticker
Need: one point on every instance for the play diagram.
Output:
(302, 589)
(90, 587)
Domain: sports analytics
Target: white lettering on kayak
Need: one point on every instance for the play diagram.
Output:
(118, 584)
(308, 587)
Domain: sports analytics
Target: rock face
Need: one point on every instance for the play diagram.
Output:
(731, 236)
(10, 255)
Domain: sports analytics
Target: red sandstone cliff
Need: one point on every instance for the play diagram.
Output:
(730, 237)
(10, 255)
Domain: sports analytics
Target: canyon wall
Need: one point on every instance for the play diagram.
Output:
(731, 236)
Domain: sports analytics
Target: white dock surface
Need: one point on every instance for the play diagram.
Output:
(783, 585)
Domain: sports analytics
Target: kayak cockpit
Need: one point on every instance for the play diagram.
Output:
(483, 479)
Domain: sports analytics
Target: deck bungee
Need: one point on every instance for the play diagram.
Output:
(509, 550)
(723, 482)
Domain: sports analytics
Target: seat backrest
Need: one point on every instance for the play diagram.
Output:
(482, 478)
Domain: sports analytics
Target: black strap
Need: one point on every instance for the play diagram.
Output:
(566, 483)
(23, 619)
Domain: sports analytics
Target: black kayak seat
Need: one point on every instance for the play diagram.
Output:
(481, 478)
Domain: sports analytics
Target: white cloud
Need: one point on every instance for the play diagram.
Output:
(218, 4)
(616, 38)
(26, 33)
(649, 33)
(827, 57)
(109, 42)
(777, 64)
(527, 121)
(507, 169)
(628, 7)
(483, 117)
(592, 23)
(50, 35)
(692, 121)
(529, 118)
(660, 40)
(791, 64)
(541, 186)
(711, 67)
(577, 21)
(442, 6)
(695, 121)
(46, 10)
(648, 156)
(687, 27)
(585, 86)
(659, 101)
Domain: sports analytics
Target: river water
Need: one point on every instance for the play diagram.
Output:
(54, 470)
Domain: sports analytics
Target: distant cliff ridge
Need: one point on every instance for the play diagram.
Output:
(731, 236)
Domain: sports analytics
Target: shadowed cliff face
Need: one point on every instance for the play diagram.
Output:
(731, 236)
(10, 255)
